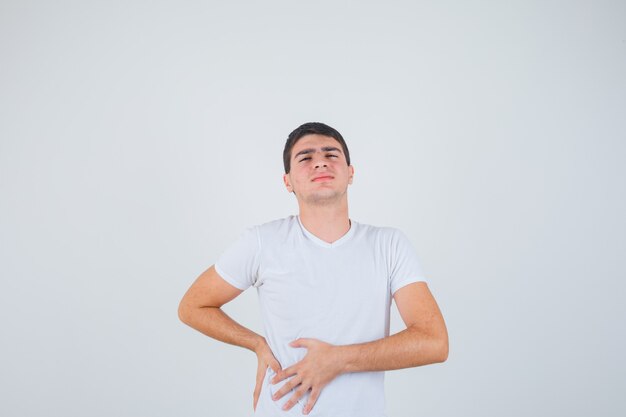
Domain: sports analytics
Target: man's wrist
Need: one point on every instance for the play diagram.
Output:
(258, 342)
(345, 354)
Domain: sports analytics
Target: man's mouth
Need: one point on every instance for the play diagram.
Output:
(324, 178)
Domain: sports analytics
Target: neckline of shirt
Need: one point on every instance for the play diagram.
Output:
(323, 243)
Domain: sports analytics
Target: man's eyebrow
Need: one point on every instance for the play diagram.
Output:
(311, 150)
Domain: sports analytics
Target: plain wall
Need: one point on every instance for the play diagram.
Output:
(139, 139)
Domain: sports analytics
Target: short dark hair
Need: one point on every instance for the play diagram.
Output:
(312, 128)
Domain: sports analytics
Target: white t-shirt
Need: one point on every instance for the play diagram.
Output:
(337, 292)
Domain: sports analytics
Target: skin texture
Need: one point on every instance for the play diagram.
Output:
(323, 210)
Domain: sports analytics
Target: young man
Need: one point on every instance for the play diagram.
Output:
(325, 284)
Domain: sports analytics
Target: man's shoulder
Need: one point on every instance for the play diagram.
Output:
(278, 222)
(374, 230)
(280, 226)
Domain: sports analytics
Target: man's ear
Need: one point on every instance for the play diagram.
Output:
(351, 175)
(287, 182)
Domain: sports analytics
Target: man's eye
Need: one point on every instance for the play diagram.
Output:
(333, 155)
(304, 159)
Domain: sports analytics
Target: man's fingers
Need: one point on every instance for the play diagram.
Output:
(260, 375)
(275, 366)
(293, 382)
(302, 342)
(255, 395)
(315, 393)
(295, 397)
(285, 373)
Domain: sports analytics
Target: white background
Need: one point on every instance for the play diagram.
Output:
(139, 139)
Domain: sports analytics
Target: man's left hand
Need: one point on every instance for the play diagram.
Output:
(322, 363)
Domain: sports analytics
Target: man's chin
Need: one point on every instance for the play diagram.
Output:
(324, 198)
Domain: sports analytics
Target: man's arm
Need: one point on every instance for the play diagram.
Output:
(200, 309)
(424, 341)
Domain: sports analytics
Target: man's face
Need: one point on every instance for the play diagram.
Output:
(316, 156)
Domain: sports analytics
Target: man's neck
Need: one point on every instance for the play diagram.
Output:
(328, 223)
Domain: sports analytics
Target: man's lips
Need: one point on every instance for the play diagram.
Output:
(322, 178)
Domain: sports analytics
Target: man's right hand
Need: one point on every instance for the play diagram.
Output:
(266, 359)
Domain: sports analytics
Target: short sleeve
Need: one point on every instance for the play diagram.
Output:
(405, 265)
(239, 263)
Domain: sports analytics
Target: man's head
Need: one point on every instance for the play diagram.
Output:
(308, 129)
(317, 165)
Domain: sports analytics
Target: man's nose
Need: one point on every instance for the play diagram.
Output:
(320, 163)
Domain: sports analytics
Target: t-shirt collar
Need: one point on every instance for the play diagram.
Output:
(323, 243)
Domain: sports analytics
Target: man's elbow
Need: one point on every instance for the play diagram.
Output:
(183, 311)
(442, 350)
(431, 347)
